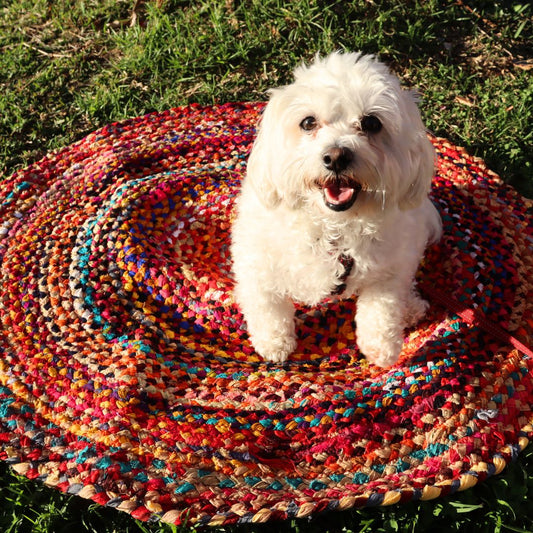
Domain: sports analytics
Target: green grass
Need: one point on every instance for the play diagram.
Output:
(69, 67)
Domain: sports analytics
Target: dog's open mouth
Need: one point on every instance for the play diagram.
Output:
(340, 194)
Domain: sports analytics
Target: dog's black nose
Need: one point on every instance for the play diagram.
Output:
(337, 159)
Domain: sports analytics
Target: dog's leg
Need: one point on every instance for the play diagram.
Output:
(416, 308)
(380, 320)
(270, 322)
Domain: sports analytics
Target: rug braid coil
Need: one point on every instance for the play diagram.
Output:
(126, 375)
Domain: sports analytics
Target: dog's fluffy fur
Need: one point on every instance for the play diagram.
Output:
(341, 167)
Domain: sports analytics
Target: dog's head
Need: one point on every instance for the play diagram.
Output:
(344, 137)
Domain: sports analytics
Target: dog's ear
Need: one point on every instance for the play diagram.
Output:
(422, 164)
(261, 163)
(421, 155)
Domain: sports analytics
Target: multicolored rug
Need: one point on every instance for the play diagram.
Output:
(126, 375)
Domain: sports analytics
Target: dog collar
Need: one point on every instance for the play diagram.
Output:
(347, 262)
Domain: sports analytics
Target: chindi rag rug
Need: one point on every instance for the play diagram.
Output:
(126, 375)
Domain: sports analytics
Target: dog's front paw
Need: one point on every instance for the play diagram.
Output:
(275, 349)
(379, 350)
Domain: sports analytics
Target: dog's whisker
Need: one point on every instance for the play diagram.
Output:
(294, 168)
(381, 188)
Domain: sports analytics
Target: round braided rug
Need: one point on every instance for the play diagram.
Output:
(126, 375)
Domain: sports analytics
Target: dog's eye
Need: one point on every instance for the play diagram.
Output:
(371, 124)
(308, 123)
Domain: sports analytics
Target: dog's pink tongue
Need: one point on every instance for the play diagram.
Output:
(335, 194)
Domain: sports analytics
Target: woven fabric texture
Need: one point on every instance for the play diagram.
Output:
(126, 375)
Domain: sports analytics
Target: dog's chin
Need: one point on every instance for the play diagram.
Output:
(340, 194)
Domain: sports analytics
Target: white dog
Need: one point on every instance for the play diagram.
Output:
(335, 201)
